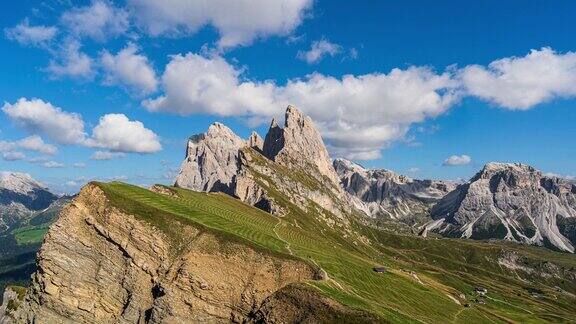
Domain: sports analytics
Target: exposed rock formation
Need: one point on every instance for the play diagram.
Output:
(211, 160)
(11, 299)
(383, 193)
(513, 202)
(298, 144)
(101, 265)
(292, 160)
(255, 141)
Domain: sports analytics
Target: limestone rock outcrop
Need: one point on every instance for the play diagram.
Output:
(513, 202)
(298, 144)
(101, 265)
(255, 141)
(211, 162)
(291, 160)
(383, 193)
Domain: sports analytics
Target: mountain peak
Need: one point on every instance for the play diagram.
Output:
(255, 141)
(293, 117)
(19, 182)
(298, 143)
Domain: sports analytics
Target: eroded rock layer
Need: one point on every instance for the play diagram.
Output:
(100, 265)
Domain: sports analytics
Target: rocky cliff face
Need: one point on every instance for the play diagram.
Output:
(291, 160)
(298, 144)
(20, 197)
(211, 160)
(101, 265)
(383, 193)
(512, 202)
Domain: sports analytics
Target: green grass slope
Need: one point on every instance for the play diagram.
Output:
(425, 277)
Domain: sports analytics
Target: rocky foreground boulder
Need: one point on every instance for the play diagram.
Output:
(512, 202)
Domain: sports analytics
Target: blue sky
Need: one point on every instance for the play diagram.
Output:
(404, 85)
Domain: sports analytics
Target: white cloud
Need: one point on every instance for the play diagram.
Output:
(71, 62)
(523, 82)
(52, 165)
(104, 155)
(38, 116)
(71, 183)
(35, 143)
(117, 133)
(357, 115)
(238, 22)
(114, 132)
(98, 21)
(130, 69)
(25, 34)
(318, 50)
(39, 159)
(79, 165)
(413, 170)
(458, 160)
(13, 156)
(31, 143)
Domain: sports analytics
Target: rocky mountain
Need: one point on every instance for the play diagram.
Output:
(512, 202)
(383, 193)
(100, 264)
(298, 144)
(253, 170)
(20, 197)
(211, 162)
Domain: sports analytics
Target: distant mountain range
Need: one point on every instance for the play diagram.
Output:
(20, 197)
(512, 202)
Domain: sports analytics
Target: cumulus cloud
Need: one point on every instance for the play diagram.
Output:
(38, 116)
(117, 133)
(69, 61)
(455, 160)
(105, 155)
(79, 165)
(523, 82)
(100, 20)
(31, 143)
(130, 69)
(25, 34)
(35, 143)
(238, 22)
(13, 156)
(318, 50)
(357, 115)
(114, 132)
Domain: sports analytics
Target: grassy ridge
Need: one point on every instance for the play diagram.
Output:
(423, 279)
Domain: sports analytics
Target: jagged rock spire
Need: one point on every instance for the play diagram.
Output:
(211, 160)
(298, 143)
(255, 141)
